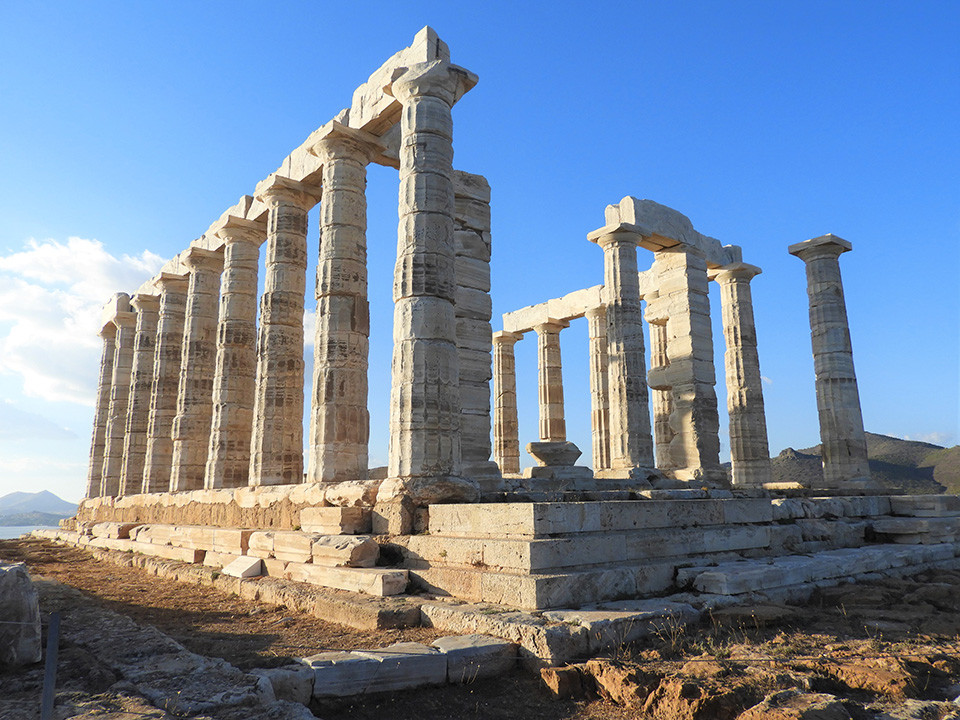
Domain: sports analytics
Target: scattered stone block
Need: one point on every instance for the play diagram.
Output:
(274, 567)
(372, 581)
(260, 544)
(340, 674)
(19, 617)
(564, 682)
(244, 567)
(345, 551)
(293, 683)
(114, 530)
(474, 657)
(407, 665)
(292, 546)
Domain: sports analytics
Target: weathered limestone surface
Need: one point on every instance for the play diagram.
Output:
(126, 322)
(102, 410)
(277, 447)
(235, 374)
(844, 444)
(19, 617)
(191, 426)
(599, 387)
(553, 427)
(661, 394)
(141, 390)
(506, 433)
(168, 355)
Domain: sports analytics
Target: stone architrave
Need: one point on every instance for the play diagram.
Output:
(191, 426)
(843, 442)
(276, 451)
(683, 298)
(506, 431)
(235, 375)
(339, 420)
(126, 323)
(599, 392)
(102, 411)
(661, 394)
(749, 451)
(553, 427)
(168, 354)
(631, 444)
(141, 389)
(425, 395)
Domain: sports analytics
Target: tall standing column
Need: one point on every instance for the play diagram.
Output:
(126, 323)
(168, 354)
(425, 395)
(661, 392)
(631, 444)
(191, 426)
(276, 452)
(141, 388)
(553, 426)
(102, 411)
(339, 420)
(749, 452)
(506, 426)
(843, 442)
(599, 388)
(235, 374)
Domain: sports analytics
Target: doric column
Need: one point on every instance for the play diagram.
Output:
(102, 411)
(276, 452)
(339, 420)
(425, 395)
(126, 323)
(506, 430)
(661, 393)
(599, 389)
(166, 382)
(749, 452)
(631, 445)
(141, 389)
(191, 426)
(843, 442)
(235, 372)
(553, 427)
(683, 293)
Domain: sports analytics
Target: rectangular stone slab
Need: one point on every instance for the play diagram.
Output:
(407, 665)
(372, 581)
(244, 567)
(335, 520)
(474, 657)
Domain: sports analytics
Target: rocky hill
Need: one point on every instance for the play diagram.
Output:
(44, 502)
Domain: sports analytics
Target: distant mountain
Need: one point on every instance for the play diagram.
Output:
(30, 518)
(17, 503)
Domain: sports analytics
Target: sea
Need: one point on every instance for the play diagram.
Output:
(15, 531)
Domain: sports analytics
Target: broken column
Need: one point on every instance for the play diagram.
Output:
(506, 432)
(101, 410)
(749, 453)
(126, 323)
(599, 392)
(843, 442)
(339, 421)
(168, 354)
(276, 453)
(191, 426)
(235, 370)
(141, 389)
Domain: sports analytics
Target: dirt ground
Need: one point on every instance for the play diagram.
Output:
(872, 646)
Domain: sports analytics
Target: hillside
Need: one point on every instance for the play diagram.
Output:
(18, 503)
(29, 519)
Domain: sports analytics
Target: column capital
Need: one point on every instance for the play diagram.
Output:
(199, 259)
(108, 331)
(125, 319)
(823, 246)
(145, 302)
(438, 78)
(504, 337)
(732, 273)
(336, 140)
(171, 282)
(551, 324)
(237, 229)
(597, 311)
(616, 234)
(277, 187)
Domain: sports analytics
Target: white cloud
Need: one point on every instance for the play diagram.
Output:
(944, 439)
(50, 299)
(309, 327)
(765, 380)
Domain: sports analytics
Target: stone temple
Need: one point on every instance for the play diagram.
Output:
(198, 450)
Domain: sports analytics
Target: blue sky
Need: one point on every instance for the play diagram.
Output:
(127, 128)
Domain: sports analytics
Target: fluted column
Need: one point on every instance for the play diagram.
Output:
(749, 452)
(661, 392)
(102, 411)
(425, 395)
(631, 444)
(553, 427)
(339, 420)
(276, 452)
(168, 354)
(235, 372)
(599, 388)
(141, 388)
(843, 441)
(126, 323)
(191, 426)
(506, 430)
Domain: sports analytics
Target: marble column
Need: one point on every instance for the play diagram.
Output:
(235, 373)
(660, 390)
(749, 452)
(276, 452)
(425, 394)
(126, 323)
(631, 444)
(339, 420)
(843, 442)
(166, 381)
(101, 411)
(553, 427)
(191, 426)
(506, 427)
(141, 389)
(599, 389)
